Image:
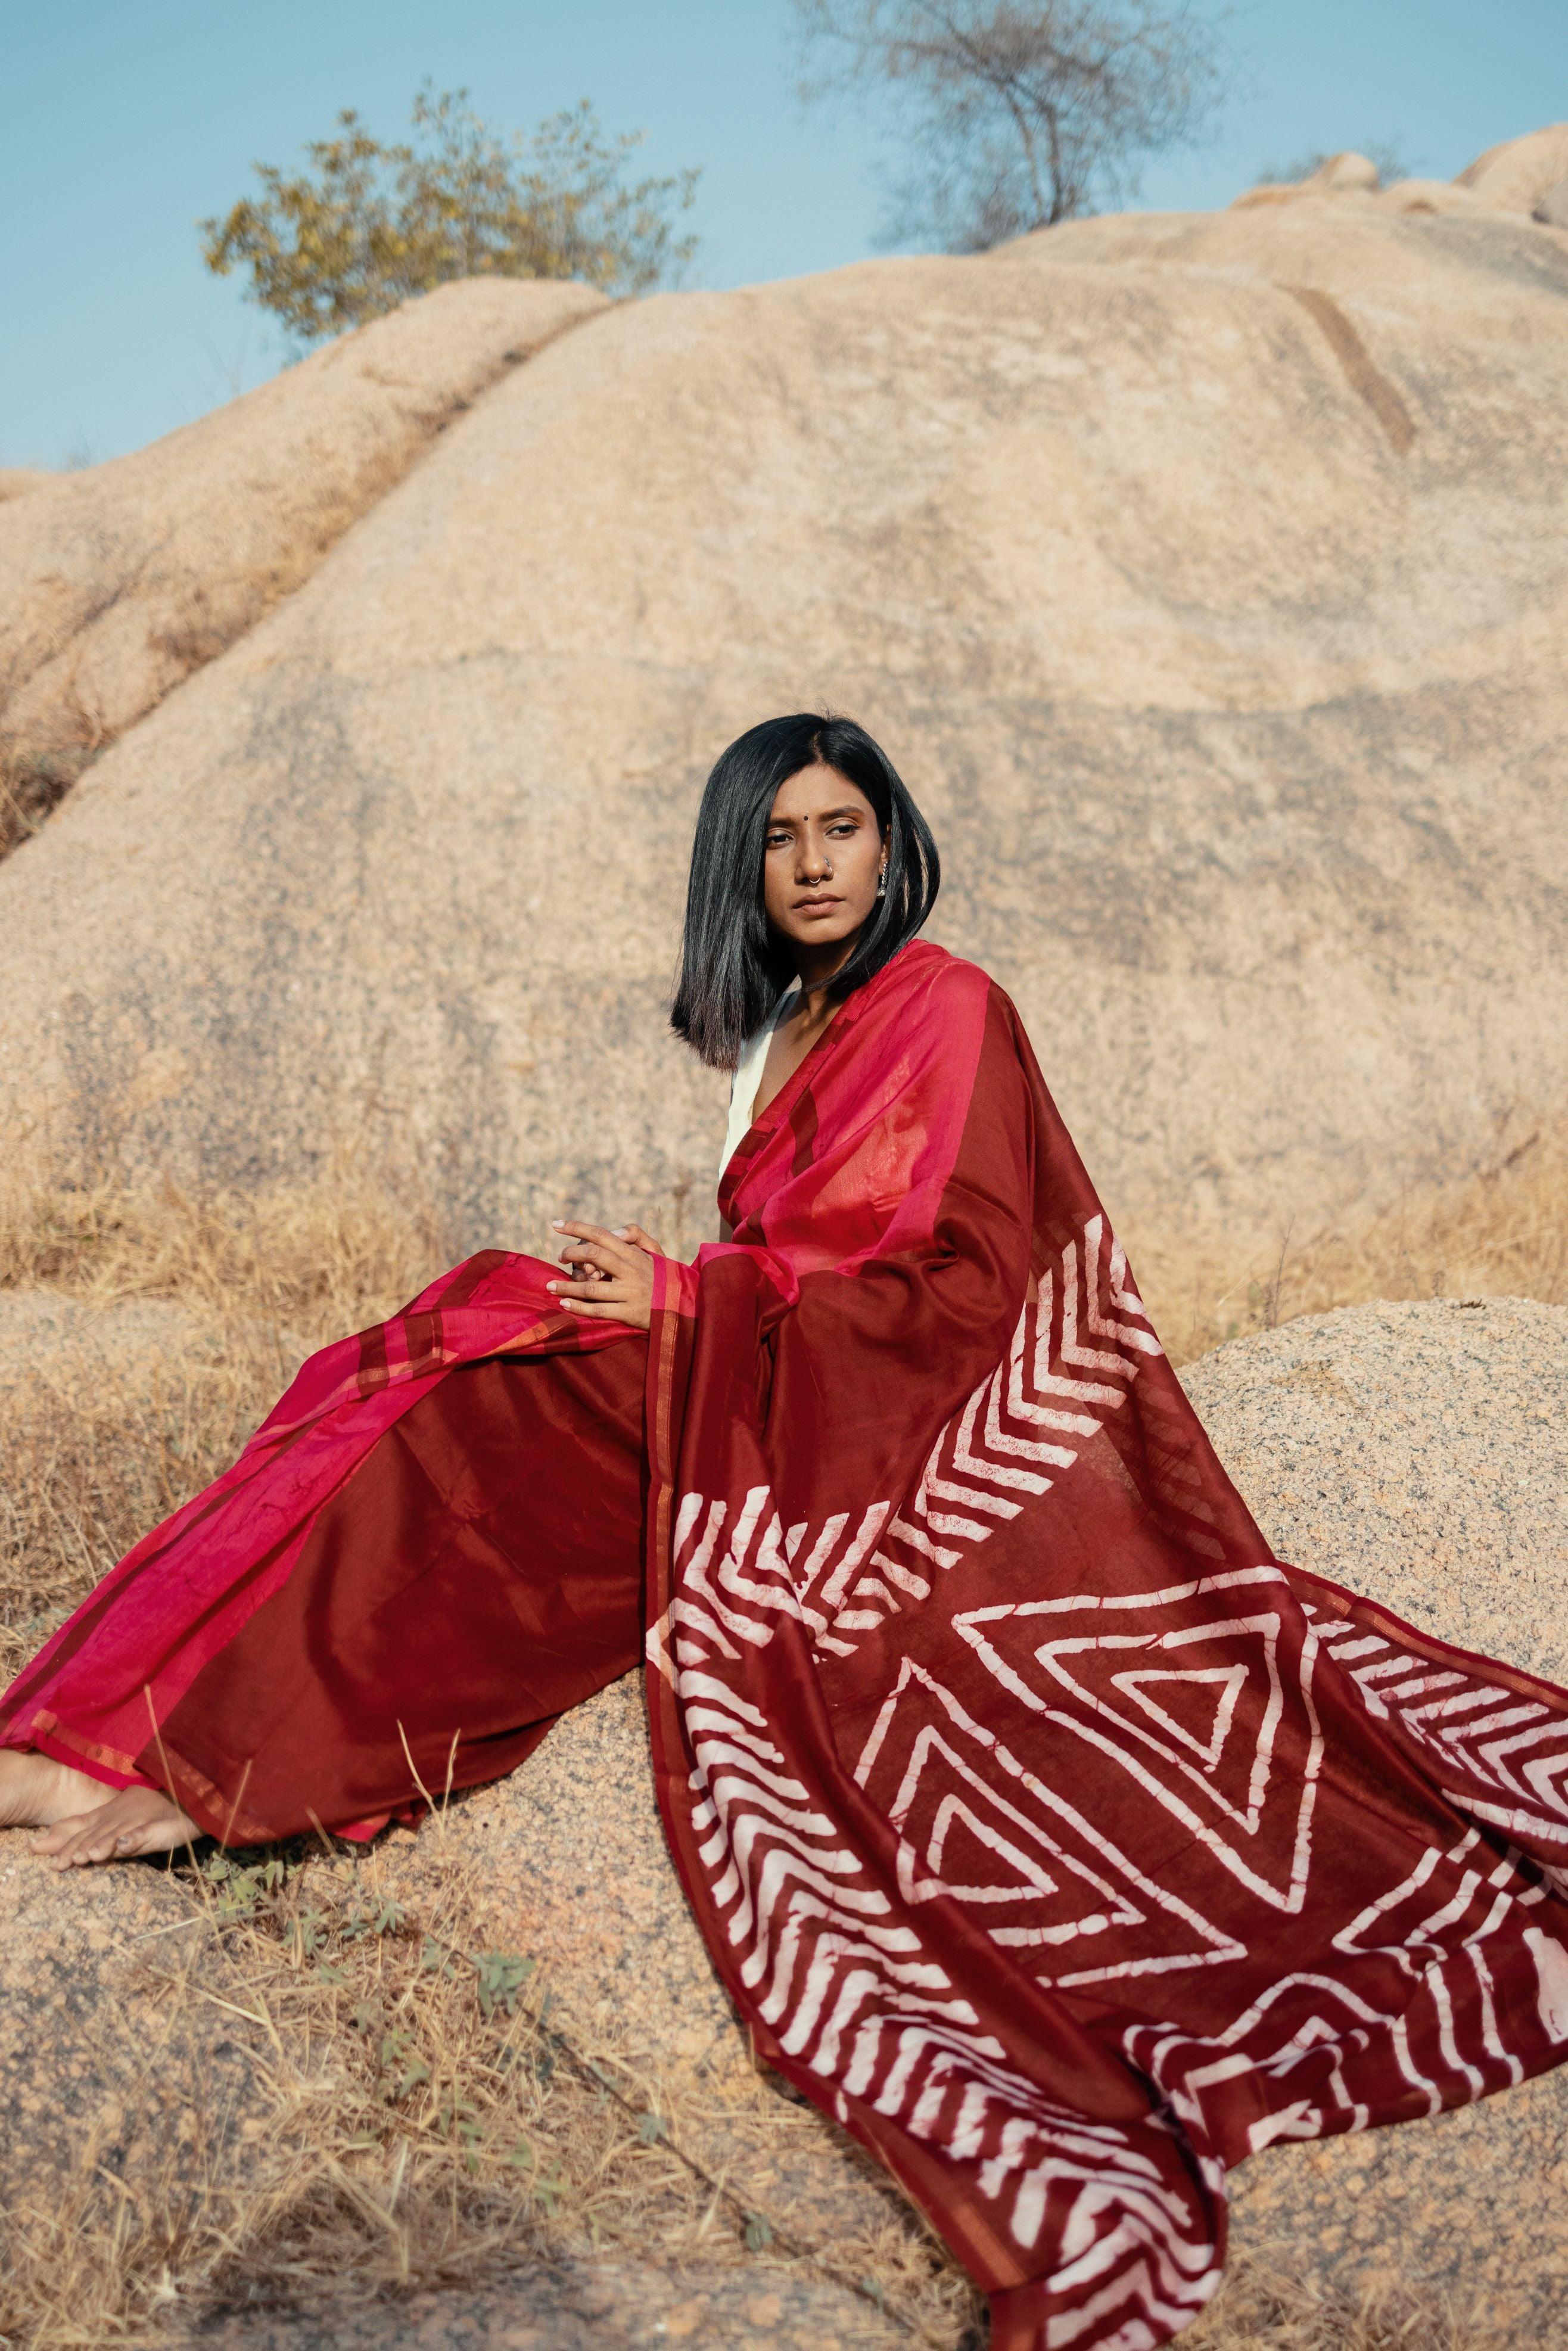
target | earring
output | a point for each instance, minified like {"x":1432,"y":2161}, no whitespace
{"x":882,"y":883}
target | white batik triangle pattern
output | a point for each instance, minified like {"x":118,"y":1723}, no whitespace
{"x":1199,"y":1700}
{"x":853,"y":1994}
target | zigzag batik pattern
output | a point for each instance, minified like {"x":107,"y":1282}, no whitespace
{"x":1076,"y":1350}
{"x":1433,"y":1964}
{"x":1094,"y":1752}
{"x":855,"y":1995}
{"x":860,"y":1999}
{"x":1500,"y":1754}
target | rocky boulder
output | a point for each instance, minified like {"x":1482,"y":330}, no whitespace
{"x":1552,"y":209}
{"x":613,"y":2306}
{"x":1201,"y":574}
{"x":1516,"y":176}
{"x":1419,"y":1454}
{"x":129,"y":575}
{"x":20,"y":481}
{"x":1519,"y":176}
{"x":1345,"y":175}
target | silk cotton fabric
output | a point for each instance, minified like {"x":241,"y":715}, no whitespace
{"x":1048,"y":1832}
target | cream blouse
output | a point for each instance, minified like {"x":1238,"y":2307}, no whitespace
{"x":749,"y":1074}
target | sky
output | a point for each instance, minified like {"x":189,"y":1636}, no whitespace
{"x":124,"y":123}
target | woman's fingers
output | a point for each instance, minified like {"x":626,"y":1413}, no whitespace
{"x":593,"y":1245}
{"x":597,"y":1253}
{"x":640,"y":1239}
{"x":611,"y":1276}
{"x":622,"y":1237}
{"x":585,"y":1286}
{"x":590,"y":1270}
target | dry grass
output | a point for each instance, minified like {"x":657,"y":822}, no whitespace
{"x":427,"y":2124}
{"x":1264,"y":2308}
{"x":320,"y":1257}
{"x":115,"y":1426}
{"x":1500,"y":1233}
{"x":424,"y":2119}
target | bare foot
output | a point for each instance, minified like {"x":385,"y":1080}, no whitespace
{"x":35,"y":1790}
{"x":136,"y":1821}
{"x":80,"y":1820}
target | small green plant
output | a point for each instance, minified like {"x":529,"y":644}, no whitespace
{"x":239,"y":1889}
{"x":501,"y":1976}
{"x":379,"y":1918}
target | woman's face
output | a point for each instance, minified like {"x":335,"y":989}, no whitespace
{"x":823,"y":859}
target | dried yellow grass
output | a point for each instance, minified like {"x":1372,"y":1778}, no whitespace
{"x":1261,"y":2307}
{"x":1501,"y":1232}
{"x":318,"y":1257}
{"x":98,"y":1445}
{"x":426,"y":2122}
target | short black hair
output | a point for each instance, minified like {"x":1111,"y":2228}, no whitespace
{"x":733,"y":967}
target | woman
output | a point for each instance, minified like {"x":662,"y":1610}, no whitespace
{"x":1047,"y":1830}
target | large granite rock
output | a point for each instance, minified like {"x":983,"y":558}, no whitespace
{"x":129,"y":575}
{"x":571,"y":1853}
{"x":1516,"y":175}
{"x":104,"y":2075}
{"x":568,"y":2306}
{"x":1419,"y":1454}
{"x":21,"y":481}
{"x":1202,"y":573}
{"x":1552,"y":211}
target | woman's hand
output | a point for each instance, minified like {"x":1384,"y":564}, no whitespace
{"x":613,"y":1278}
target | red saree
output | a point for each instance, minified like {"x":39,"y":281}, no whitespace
{"x":1047,"y":1830}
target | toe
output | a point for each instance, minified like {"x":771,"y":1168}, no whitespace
{"x":55,"y":1839}
{"x":72,"y":1851}
{"x":120,"y":1830}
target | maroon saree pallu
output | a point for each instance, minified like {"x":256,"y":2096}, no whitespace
{"x":1048,"y":1832}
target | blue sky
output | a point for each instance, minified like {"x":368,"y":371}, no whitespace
{"x":124,"y":122}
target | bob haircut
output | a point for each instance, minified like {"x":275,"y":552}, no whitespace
{"x":733,"y":966}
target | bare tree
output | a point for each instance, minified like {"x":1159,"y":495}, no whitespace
{"x":1017,"y":113}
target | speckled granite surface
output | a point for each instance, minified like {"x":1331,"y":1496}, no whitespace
{"x":91,"y":2050}
{"x":1235,"y":720}
{"x":573,"y":2306}
{"x":1419,"y":1454}
{"x":572,"y":1853}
